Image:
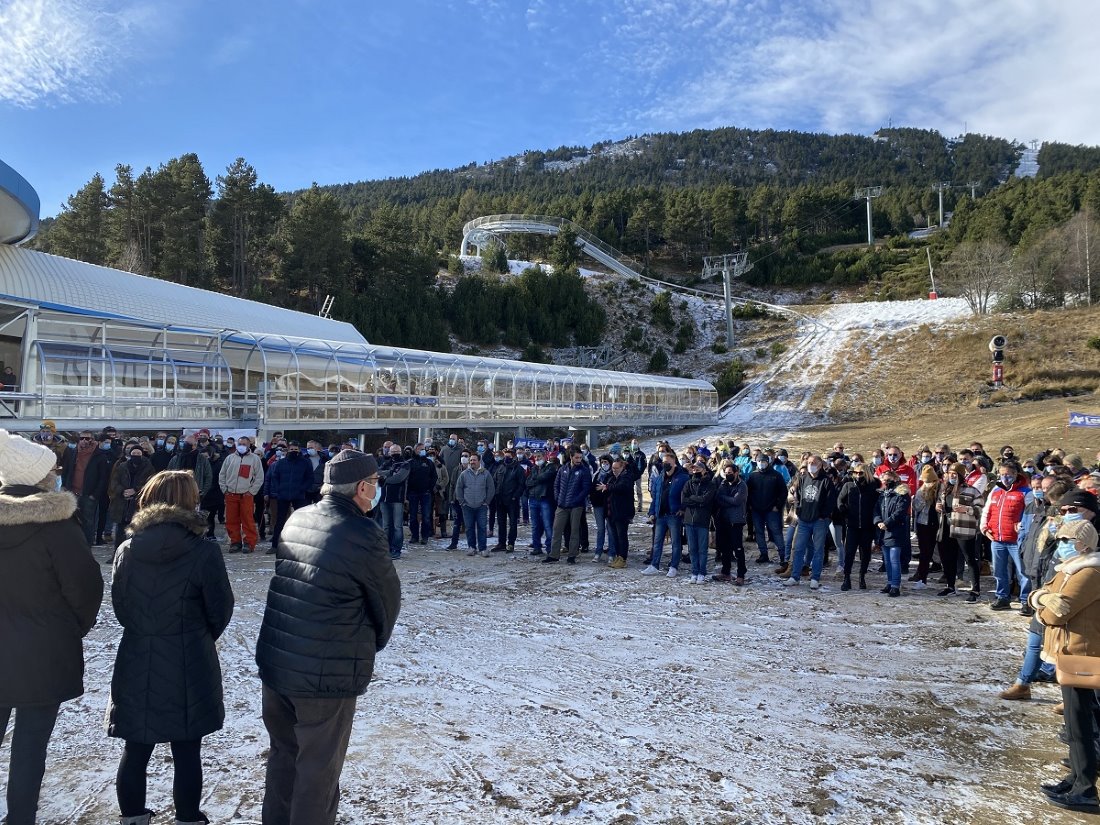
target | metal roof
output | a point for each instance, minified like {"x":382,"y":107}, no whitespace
{"x":74,"y":286}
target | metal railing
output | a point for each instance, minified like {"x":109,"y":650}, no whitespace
{"x":620,"y":262}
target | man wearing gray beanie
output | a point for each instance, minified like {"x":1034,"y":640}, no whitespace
{"x":331,"y":606}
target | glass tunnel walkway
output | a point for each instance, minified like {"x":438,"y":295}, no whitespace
{"x":78,"y":370}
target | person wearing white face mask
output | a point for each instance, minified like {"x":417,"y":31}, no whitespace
{"x":331,"y":607}
{"x":241,"y":479}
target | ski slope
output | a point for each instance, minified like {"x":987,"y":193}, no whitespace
{"x":779,"y":400}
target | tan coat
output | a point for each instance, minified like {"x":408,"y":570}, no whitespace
{"x":1074,"y":621}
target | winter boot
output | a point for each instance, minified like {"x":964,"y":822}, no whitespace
{"x":1017,"y":691}
{"x":203,"y":821}
{"x":140,"y":819}
{"x":847,"y":583}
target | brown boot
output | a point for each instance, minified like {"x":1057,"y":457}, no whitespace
{"x":1016,"y":692}
{"x":784,"y":572}
{"x":1060,"y":708}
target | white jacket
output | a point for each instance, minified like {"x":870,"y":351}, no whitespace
{"x":231,"y":478}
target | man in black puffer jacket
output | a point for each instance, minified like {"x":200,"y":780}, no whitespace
{"x":331,"y":606}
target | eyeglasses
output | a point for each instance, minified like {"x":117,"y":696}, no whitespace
{"x":893,"y":455}
{"x":1068,"y":511}
{"x":86,"y":438}
{"x":374,"y":480}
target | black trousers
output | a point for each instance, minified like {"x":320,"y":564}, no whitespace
{"x":186,"y":785}
{"x":618,"y":529}
{"x":309,"y":740}
{"x":259,"y":502}
{"x":857,"y":538}
{"x":507,"y":521}
{"x":29,"y":738}
{"x":950,"y":551}
{"x":1080,"y":720}
{"x":282,"y":513}
{"x":729,"y":540}
{"x":101,"y":515}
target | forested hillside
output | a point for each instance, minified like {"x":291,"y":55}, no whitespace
{"x":668,"y":199}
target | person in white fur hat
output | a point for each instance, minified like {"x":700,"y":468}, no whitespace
{"x":50,"y":591}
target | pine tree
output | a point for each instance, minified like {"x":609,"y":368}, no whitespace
{"x":80,"y":229}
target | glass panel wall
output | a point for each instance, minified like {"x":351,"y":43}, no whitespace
{"x":114,"y":370}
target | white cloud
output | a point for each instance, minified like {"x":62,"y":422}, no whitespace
{"x":1013,"y":68}
{"x":61,"y":51}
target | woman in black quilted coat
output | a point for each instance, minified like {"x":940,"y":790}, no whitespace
{"x":172,"y":597}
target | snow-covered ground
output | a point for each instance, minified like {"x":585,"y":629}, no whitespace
{"x":514,"y":692}
{"x":779,"y":400}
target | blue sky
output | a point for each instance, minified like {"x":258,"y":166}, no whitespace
{"x":340,"y":91}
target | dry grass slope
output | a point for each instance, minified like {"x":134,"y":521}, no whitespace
{"x":946,"y":369}
{"x":933,"y":384}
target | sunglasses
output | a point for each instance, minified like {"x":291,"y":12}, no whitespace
{"x":86,"y":438}
{"x":1068,"y":511}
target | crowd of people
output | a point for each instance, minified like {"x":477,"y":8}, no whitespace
{"x":958,"y":515}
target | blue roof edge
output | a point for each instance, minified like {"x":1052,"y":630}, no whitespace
{"x":18,"y":187}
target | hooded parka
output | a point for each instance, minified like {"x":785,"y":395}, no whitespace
{"x":50,"y":591}
{"x":172,"y":597}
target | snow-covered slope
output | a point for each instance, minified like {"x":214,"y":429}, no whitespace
{"x":782,"y":399}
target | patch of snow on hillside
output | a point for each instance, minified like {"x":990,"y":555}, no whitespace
{"x":778,"y":401}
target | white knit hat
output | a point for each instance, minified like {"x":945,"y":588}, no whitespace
{"x":23,"y":461}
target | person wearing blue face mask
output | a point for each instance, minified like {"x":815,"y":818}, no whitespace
{"x":331,"y":607}
{"x":1070,"y":605}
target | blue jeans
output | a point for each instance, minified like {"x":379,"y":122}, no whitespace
{"x":667,"y":525}
{"x":477,"y":525}
{"x":1002,"y":552}
{"x":698,"y":539}
{"x":891,"y":555}
{"x":542,"y":522}
{"x":420,"y":515}
{"x":393,"y":523}
{"x":815,"y":532}
{"x":773,"y":520}
{"x":600,"y":515}
{"x":1032,"y":663}
{"x":525,"y":509}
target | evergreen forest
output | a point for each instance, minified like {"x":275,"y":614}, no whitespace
{"x":380,"y":247}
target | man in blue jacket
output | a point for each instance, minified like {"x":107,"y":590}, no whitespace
{"x":289,"y":483}
{"x":668,"y":511}
{"x":571,"y":488}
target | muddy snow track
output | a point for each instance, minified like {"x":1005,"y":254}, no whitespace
{"x":518,"y":692}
